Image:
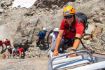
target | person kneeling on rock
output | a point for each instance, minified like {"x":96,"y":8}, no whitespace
{"x":20,"y":51}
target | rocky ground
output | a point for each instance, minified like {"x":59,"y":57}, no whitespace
{"x":21,"y":26}
{"x":24,"y":64}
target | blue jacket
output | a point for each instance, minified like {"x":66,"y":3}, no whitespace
{"x":42,"y":34}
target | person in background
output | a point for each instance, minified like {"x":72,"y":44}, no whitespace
{"x":53,"y":36}
{"x":8,"y":46}
{"x":41,"y":36}
{"x":20,"y":51}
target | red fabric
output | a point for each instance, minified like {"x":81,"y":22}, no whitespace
{"x":20,"y":50}
{"x":1,"y":43}
{"x":7,"y":42}
{"x":77,"y":28}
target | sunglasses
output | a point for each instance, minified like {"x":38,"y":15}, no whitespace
{"x":67,"y":17}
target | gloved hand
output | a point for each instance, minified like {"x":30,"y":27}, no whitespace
{"x":55,"y":52}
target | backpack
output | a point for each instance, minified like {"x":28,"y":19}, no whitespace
{"x":82,"y":18}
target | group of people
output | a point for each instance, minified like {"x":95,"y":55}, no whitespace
{"x":8,"y":50}
{"x":18,"y":51}
{"x":5,"y":44}
{"x":69,"y":33}
{"x":71,"y":30}
{"x":44,"y":35}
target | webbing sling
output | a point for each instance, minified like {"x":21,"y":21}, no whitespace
{"x":84,"y":45}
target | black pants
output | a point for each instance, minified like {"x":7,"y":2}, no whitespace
{"x":65,"y":44}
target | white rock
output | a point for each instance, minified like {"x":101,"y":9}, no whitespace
{"x":1,"y":10}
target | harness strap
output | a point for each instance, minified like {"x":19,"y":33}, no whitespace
{"x":84,"y":45}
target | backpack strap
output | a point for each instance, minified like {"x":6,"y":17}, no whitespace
{"x":82,"y":18}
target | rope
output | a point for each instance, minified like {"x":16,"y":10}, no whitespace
{"x":87,"y":48}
